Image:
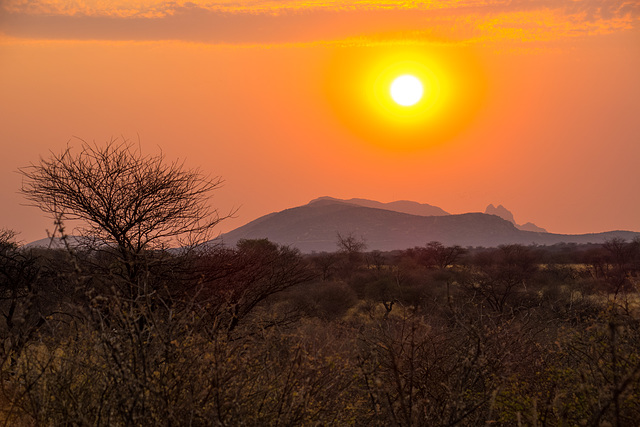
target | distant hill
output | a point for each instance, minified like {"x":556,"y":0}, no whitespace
{"x":55,"y":243}
{"x":529,"y":226}
{"x":500,"y":211}
{"x":506,"y":214}
{"x":314,"y":227}
{"x":404,"y":206}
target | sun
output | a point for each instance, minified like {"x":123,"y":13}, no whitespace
{"x":407,"y":93}
{"x":406,"y":90}
{"x":404,"y":98}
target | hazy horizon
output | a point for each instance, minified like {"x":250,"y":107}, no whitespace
{"x":534,"y":106}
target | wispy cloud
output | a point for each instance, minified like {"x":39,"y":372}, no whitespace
{"x":287,"y":21}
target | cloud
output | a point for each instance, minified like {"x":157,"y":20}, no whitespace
{"x":287,"y":21}
{"x":160,"y":8}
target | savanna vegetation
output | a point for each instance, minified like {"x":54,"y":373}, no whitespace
{"x":118,"y":328}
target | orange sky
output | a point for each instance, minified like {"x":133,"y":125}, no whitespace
{"x":538,"y":108}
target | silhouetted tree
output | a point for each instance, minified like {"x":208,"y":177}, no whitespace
{"x":499,"y":274}
{"x":435,"y":255}
{"x":350,"y":244}
{"x":351,"y":248}
{"x":236,"y":280}
{"x":126,"y":201}
{"x":20,"y":304}
{"x":444,"y":256}
{"x":326,"y":263}
{"x":624,"y":261}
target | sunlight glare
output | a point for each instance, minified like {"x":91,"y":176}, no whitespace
{"x":438,"y":94}
{"x":406,"y":90}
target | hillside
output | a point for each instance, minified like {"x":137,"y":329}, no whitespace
{"x":504,"y":213}
{"x":314,"y":227}
{"x":404,"y":206}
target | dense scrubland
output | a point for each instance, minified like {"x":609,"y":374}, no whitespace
{"x":260,"y":334}
{"x":116,"y":328}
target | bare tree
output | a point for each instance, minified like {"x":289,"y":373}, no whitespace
{"x":623,"y":258}
{"x":21,"y":314}
{"x":444,"y":256}
{"x":350,"y":244}
{"x":237,"y":280}
{"x":500,"y":274}
{"x":126,"y":200}
{"x":436,"y":255}
{"x":351,"y":247}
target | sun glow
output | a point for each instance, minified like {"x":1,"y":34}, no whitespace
{"x":404,"y":99}
{"x":406,"y":90}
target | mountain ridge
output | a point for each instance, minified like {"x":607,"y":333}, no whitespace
{"x":404,"y":206}
{"x":314,"y":227}
{"x":506,"y":214}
